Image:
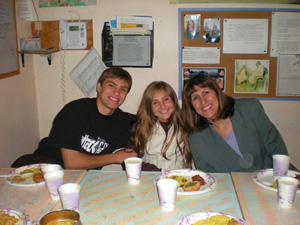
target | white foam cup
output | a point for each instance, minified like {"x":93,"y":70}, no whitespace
{"x":51,"y":167}
{"x":54,"y":179}
{"x":287,"y":189}
{"x":281,"y":164}
{"x":167,"y":193}
{"x":69,"y":196}
{"x":133,"y":166}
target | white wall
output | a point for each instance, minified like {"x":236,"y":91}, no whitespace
{"x":19,"y":130}
{"x":165,"y":66}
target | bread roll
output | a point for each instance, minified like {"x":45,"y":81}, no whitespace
{"x":193,"y":186}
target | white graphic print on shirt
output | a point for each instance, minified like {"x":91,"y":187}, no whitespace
{"x":93,"y":146}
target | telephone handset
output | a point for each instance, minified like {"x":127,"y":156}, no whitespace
{"x":72,"y":35}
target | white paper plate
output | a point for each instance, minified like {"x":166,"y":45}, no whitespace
{"x":24,"y":218}
{"x":189,"y":220}
{"x":264,"y":178}
{"x":26,"y":183}
{"x":211,"y":182}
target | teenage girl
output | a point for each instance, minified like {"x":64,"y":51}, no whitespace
{"x":158,"y":135}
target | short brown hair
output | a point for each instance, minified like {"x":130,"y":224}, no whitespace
{"x":116,"y":72}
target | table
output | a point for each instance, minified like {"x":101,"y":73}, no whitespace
{"x":34,"y":200}
{"x":107,"y":198}
{"x":259,"y":206}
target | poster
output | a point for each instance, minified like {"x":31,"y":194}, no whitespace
{"x":219,"y":75}
{"x":251,"y":76}
{"x":65,"y":3}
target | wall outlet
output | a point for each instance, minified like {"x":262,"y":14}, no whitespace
{"x":38,"y":25}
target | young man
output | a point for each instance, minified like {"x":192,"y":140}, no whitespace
{"x":86,"y":132}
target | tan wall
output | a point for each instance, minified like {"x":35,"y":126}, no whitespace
{"x":165,"y":66}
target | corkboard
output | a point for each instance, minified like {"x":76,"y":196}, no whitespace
{"x":227,"y":61}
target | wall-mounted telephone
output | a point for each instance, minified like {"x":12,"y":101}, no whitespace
{"x":72,"y":35}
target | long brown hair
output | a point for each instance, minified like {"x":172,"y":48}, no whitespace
{"x":192,"y":120}
{"x":142,"y":130}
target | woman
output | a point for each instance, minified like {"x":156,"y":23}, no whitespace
{"x":227,"y":135}
{"x":157,"y":135}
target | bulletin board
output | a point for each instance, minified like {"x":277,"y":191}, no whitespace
{"x":228,"y":67}
{"x":9,"y":60}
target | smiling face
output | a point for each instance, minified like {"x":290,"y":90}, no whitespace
{"x":111,"y":95}
{"x":205,"y":102}
{"x":162,"y":105}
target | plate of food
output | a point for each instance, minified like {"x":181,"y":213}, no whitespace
{"x":13,"y":217}
{"x":264,"y":179}
{"x":190,"y":182}
{"x":24,"y":181}
{"x":210,"y":218}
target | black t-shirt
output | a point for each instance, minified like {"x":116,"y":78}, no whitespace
{"x":79,"y":126}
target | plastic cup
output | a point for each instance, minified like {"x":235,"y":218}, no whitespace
{"x":51,"y":167}
{"x":69,"y":196}
{"x":167,"y":193}
{"x":54,"y":179}
{"x":287,"y":189}
{"x":133,"y":168}
{"x":281,"y":164}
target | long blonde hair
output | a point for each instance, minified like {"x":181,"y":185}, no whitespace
{"x":142,"y":130}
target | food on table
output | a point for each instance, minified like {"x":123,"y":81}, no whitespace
{"x":217,"y":220}
{"x":37,"y":175}
{"x":274,"y":184}
{"x":181,"y":180}
{"x":199,"y":178}
{"x":233,"y":222}
{"x":297,"y":176}
{"x":188,"y":184}
{"x":62,"y":222}
{"x":6,"y":219}
{"x":18,"y":179}
{"x":192,"y":186}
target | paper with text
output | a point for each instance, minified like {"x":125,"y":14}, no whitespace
{"x":198,"y":55}
{"x":88,"y":71}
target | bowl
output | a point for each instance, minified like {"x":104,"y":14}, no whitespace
{"x":56,"y":216}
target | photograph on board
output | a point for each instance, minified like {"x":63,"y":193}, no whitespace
{"x":251,"y":76}
{"x":217,"y":73}
{"x":211,"y":30}
{"x":192,"y":26}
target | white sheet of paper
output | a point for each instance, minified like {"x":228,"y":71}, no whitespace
{"x":197,"y":55}
{"x":24,"y":12}
{"x":132,"y":50}
{"x":285,"y":33}
{"x":245,"y":36}
{"x":288,"y":79}
{"x":88,"y":71}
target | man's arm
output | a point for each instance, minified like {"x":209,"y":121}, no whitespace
{"x":75,"y":160}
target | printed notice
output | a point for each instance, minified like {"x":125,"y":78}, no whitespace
{"x":285,"y":37}
{"x":194,"y":55}
{"x":88,"y":71}
{"x":245,"y":36}
{"x":288,"y":81}
{"x":24,"y":12}
{"x":132,"y":50}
